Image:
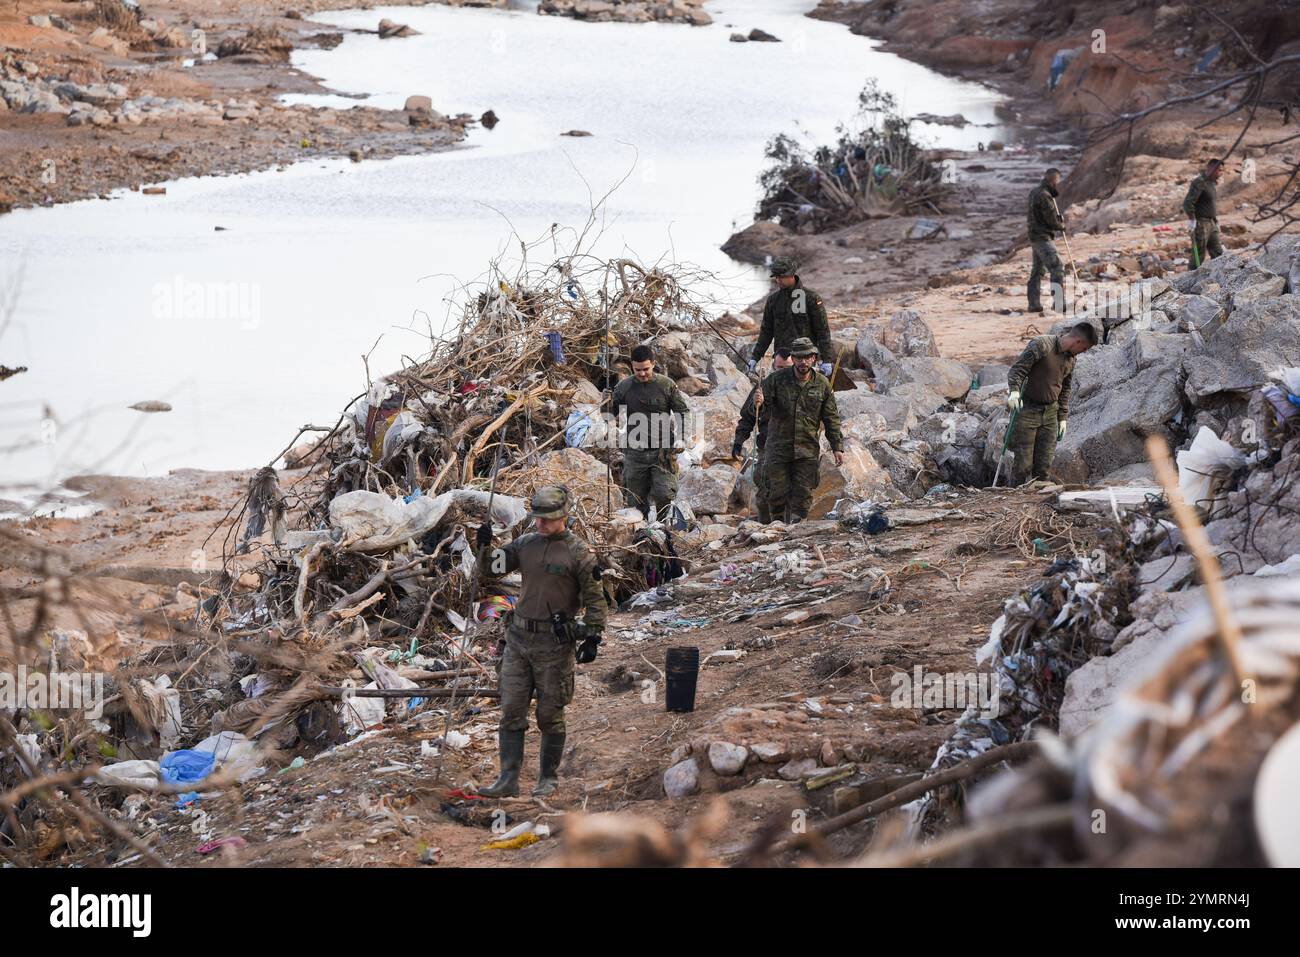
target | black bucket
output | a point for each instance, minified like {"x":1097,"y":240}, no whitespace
{"x":681,"y":669}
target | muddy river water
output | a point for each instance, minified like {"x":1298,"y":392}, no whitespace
{"x":250,"y":330}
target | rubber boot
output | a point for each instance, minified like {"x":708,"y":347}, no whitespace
{"x":552,"y":752}
{"x":511,"y":746}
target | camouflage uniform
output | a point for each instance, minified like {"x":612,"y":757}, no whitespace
{"x":559,"y":574}
{"x":1044,"y":223}
{"x":791,"y":417}
{"x":1042,"y":374}
{"x":794,"y":313}
{"x":746,"y":425}
{"x":1202,"y":202}
{"x":650,"y":471}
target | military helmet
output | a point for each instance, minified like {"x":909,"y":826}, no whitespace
{"x":802,"y":346}
{"x":782,"y":266}
{"x":550,"y":501}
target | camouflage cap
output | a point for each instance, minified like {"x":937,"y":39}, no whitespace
{"x":550,"y":501}
{"x":782,"y":266}
{"x":802,"y":347}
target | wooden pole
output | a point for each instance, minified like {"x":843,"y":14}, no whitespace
{"x":1008,"y":752}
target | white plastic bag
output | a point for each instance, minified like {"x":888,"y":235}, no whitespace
{"x":138,"y":774}
{"x":378,"y":523}
{"x":1198,"y":466}
{"x":361,"y":714}
{"x":164,"y":703}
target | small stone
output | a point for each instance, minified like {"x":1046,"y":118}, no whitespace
{"x":798,"y":769}
{"x":682,"y":779}
{"x":727,"y":758}
{"x":769,"y":752}
{"x":828,"y":755}
{"x":680,"y":753}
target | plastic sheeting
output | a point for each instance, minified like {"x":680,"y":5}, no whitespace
{"x":373,"y":522}
{"x":1208,"y":457}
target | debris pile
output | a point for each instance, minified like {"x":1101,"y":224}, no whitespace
{"x":875,"y":168}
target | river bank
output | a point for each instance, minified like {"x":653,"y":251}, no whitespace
{"x":95,"y":103}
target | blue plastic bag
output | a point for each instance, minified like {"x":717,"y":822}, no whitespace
{"x":186,"y":767}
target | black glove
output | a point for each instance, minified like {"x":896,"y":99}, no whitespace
{"x":483,"y":537}
{"x":589,"y":646}
{"x":737,"y":449}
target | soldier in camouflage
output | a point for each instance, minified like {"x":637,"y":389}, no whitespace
{"x":1201,"y":207}
{"x":560,"y":577}
{"x":1045,"y":221}
{"x":793,"y":312}
{"x":1038,"y":395}
{"x":748,"y":421}
{"x":798,"y":402}
{"x":654,"y":407}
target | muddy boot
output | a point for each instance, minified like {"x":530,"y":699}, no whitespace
{"x":511,"y":746}
{"x":552,"y":752}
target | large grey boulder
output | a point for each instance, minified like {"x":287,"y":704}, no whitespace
{"x":724,"y":375}
{"x":992,"y":373}
{"x":880,"y":363}
{"x":1109,"y":428}
{"x":1241,"y":354}
{"x":672,"y":355}
{"x":987,"y":400}
{"x":1148,"y":349}
{"x":1201,"y":314}
{"x":957,"y":444}
{"x":1101,"y":368}
{"x":919,"y":396}
{"x":864,"y":426}
{"x":708,"y":491}
{"x":1282,"y":257}
{"x":946,"y":377}
{"x":860,"y":477}
{"x":1253,"y":542}
{"x":713,"y":417}
{"x":908,"y":462}
{"x":1224,"y":278}
{"x":906,"y":334}
{"x":1265,"y":288}
{"x":897,"y":412}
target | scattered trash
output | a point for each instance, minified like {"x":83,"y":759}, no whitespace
{"x":519,"y":836}
{"x":209,"y":847}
